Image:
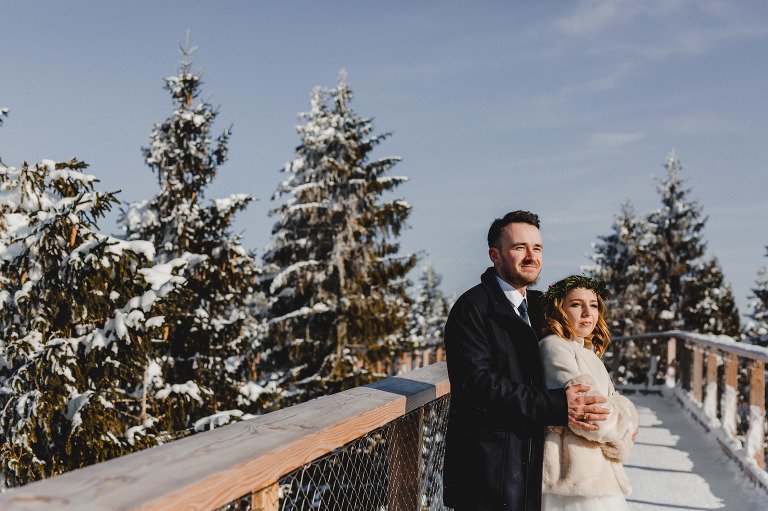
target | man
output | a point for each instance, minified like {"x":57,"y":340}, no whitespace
{"x":499,"y":405}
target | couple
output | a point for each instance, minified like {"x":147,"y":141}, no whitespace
{"x":532,"y":424}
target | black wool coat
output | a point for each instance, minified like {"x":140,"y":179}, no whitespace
{"x":499,"y":406}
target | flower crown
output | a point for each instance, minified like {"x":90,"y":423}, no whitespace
{"x":562,"y":287}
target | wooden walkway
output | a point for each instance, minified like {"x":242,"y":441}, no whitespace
{"x":676,"y":465}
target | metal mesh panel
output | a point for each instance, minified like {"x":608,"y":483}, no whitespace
{"x":396,"y":467}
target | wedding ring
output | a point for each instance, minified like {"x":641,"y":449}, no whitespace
{"x":585,"y":415}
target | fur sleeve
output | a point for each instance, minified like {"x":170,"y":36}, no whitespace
{"x":615,"y":433}
{"x":620,"y":449}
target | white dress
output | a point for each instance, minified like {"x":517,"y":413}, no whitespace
{"x":563,"y":362}
{"x":552,"y":502}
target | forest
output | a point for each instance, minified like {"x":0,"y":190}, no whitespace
{"x":112,"y":344}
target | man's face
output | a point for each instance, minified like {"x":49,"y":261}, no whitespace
{"x":518,"y":258}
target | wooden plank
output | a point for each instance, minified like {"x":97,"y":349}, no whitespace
{"x":712,"y":367}
{"x":405,"y":462}
{"x":267,"y":499}
{"x":719,"y":342}
{"x":757,"y":400}
{"x":697,"y":370}
{"x":672,"y":358}
{"x":731,"y":388}
{"x":208,"y":470}
{"x":615,"y":361}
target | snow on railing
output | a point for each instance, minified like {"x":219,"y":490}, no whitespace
{"x":685,"y":377}
{"x":380,"y":443}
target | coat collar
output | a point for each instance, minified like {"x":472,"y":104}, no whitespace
{"x":501,"y":304}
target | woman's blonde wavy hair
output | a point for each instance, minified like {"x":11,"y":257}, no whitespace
{"x":556,"y":321}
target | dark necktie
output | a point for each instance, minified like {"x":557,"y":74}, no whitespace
{"x":523,"y":310}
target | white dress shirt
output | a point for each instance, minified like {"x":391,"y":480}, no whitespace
{"x":514,"y":296}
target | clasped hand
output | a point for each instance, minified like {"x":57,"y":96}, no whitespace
{"x":581,"y":407}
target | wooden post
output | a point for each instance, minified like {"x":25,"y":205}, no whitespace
{"x":710,"y":399}
{"x":684,"y":356}
{"x":426,"y":356}
{"x":757,"y":401}
{"x":266,"y":499}
{"x":440,"y":355}
{"x":671,"y":376}
{"x":697,"y":370}
{"x":711,"y":366}
{"x":405,"y":472}
{"x":729,"y":398}
{"x":615,"y":362}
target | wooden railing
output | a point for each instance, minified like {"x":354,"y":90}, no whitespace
{"x":418,"y":357}
{"x":691,"y":367}
{"x":246,"y":465}
{"x":243,"y":462}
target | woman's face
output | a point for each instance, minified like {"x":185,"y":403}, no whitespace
{"x":581,"y":309}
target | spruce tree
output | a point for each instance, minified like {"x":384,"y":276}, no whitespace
{"x":80,"y":315}
{"x":622,"y":261}
{"x":336,"y":281}
{"x":756,"y":324}
{"x":429,"y":311}
{"x":209,"y":354}
{"x":708,"y":305}
{"x":675,"y":246}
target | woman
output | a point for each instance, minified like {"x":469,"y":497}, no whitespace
{"x":582,"y":469}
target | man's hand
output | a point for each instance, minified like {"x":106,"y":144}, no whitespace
{"x":581,"y":407}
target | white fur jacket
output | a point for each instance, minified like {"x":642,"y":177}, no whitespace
{"x":579,"y":462}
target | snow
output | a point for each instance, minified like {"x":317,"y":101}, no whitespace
{"x":73,"y":407}
{"x":676,"y":465}
{"x":161,"y":274}
{"x":219,"y":419}
{"x":756,"y":433}
{"x":253,"y":390}
{"x":728,"y":405}
{"x":668,"y":315}
{"x":232,"y":201}
{"x":189,"y":388}
{"x":710,"y":402}
{"x":281,"y":279}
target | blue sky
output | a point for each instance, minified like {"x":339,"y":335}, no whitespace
{"x":562,"y":108}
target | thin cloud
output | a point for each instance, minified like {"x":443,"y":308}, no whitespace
{"x":593,"y":16}
{"x":616,"y":139}
{"x":651,"y":29}
{"x":701,"y":123}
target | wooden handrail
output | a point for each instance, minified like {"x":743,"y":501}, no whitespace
{"x":211,"y":469}
{"x":694,"y":376}
{"x":720,"y":342}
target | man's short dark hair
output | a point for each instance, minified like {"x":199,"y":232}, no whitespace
{"x":524,"y":217}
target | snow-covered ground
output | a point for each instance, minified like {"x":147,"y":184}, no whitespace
{"x":675,"y":465}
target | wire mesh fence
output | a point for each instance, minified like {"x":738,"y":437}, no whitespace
{"x":396,"y":467}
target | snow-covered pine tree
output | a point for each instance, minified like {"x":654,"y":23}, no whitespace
{"x":429,"y":311}
{"x":336,"y":281}
{"x":621,"y":261}
{"x":80,"y":315}
{"x":676,"y":245}
{"x":708,"y":305}
{"x":210,"y":343}
{"x":756,"y":324}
